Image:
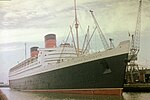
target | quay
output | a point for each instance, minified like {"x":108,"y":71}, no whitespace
{"x":137,"y":87}
{"x":139,"y":82}
{"x":2,"y":96}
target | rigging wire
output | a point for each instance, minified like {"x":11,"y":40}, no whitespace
{"x":90,"y":39}
{"x":64,"y":46}
{"x":85,"y":38}
{"x":73,"y":39}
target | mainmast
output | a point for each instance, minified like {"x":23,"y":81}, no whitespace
{"x":76,"y":27}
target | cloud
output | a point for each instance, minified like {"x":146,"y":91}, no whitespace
{"x":45,"y":14}
{"x":36,"y":13}
{"x":113,"y":15}
{"x":7,"y":47}
{"x":24,"y":11}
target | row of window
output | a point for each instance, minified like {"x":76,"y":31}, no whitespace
{"x":24,"y":63}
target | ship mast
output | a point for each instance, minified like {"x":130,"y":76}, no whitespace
{"x":25,"y":51}
{"x":76,"y":27}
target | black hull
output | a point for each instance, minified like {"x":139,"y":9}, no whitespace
{"x":103,"y":73}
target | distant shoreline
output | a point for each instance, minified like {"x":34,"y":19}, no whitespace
{"x":4,"y":86}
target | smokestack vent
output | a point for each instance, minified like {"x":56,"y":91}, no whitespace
{"x":34,"y":51}
{"x":50,"y":41}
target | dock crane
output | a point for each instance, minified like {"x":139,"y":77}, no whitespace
{"x":104,"y":42}
{"x":135,"y":47}
{"x":132,"y":68}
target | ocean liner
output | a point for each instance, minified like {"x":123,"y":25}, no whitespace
{"x":66,"y":69}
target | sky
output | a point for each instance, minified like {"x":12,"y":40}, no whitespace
{"x":28,"y":21}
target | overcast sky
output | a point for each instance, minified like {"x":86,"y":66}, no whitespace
{"x":30,"y":20}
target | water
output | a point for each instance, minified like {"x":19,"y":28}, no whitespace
{"x":17,"y":95}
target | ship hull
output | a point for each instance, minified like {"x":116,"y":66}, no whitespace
{"x":101,"y":76}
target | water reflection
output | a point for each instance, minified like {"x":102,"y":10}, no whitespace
{"x":17,"y":95}
{"x":136,"y":95}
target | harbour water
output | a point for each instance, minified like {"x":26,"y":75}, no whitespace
{"x":18,"y":95}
